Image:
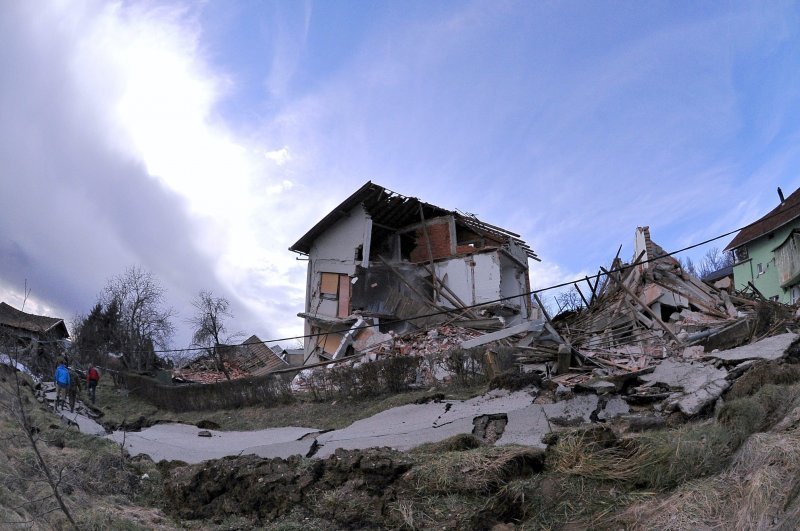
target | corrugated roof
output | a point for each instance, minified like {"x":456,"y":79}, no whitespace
{"x":391,"y":211}
{"x":40,"y":324}
{"x":262,"y":359}
{"x":786,"y":212}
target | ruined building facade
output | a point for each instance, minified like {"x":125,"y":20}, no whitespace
{"x":384,"y":259}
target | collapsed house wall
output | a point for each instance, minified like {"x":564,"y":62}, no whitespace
{"x":385,"y":259}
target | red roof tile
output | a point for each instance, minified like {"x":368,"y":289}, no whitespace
{"x":784,"y":213}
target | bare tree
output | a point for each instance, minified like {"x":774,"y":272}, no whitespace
{"x":688,"y":266}
{"x":210,"y":326}
{"x":145,"y":321}
{"x":569,"y":300}
{"x":714,"y":260}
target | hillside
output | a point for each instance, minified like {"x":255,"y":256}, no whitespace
{"x":737,"y":468}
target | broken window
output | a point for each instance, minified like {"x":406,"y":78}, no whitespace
{"x":741,"y":254}
{"x":335,"y":286}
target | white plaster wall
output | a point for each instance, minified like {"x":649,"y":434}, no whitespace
{"x":334,"y":252}
{"x":475,"y":279}
{"x":513,"y":282}
{"x":339,"y":243}
{"x":517,"y":252}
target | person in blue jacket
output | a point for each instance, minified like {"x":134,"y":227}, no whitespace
{"x":62,"y":384}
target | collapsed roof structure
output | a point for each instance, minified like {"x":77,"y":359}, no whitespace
{"x":382,"y":258}
{"x":34,"y":339}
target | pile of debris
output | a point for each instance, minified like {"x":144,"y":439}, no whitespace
{"x":250,"y":358}
{"x":207,"y":370}
{"x":652,"y":309}
{"x":423,"y":342}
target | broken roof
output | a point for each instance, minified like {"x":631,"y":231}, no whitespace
{"x":786,"y":212}
{"x":13,"y":318}
{"x":391,"y":212}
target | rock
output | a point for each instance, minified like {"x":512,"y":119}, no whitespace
{"x":615,"y":407}
{"x":563,"y":392}
{"x":204,"y":433}
{"x":597,"y":386}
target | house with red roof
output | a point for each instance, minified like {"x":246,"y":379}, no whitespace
{"x":767,"y":252}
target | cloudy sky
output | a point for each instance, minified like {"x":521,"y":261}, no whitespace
{"x":199,"y":140}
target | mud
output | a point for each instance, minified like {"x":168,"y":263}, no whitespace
{"x":270,"y":488}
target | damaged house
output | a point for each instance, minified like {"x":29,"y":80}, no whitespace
{"x":36,"y":339}
{"x":381,"y":258}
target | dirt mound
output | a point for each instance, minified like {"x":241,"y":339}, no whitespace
{"x":269,"y":488}
{"x":515,"y":381}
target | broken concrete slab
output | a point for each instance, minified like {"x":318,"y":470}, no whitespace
{"x":771,"y":348}
{"x":729,"y":337}
{"x":598,"y":386}
{"x":527,"y":326}
{"x":614,"y":407}
{"x":696,"y":385}
{"x":405,"y":427}
{"x":527,"y":426}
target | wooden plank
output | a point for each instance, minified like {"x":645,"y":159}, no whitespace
{"x":343,"y":309}
{"x":581,"y":294}
{"x":645,"y":307}
{"x":527,"y":326}
{"x":422,"y":297}
{"x":329,"y":283}
{"x":430,"y":249}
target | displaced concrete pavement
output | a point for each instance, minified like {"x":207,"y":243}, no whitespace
{"x":181,"y":442}
{"x":78,"y":417}
{"x":401,"y":428}
{"x":408,"y":426}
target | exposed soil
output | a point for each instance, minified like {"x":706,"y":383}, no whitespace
{"x":269,"y":488}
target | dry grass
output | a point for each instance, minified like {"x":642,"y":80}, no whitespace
{"x":667,"y":458}
{"x":753,"y":493}
{"x":481,"y":470}
{"x":101,"y":489}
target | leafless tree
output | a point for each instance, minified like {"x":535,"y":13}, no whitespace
{"x":210,"y":327}
{"x":569,"y":300}
{"x":145,"y":320}
{"x":714,"y":260}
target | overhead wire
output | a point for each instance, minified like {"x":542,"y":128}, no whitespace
{"x":595,"y":277}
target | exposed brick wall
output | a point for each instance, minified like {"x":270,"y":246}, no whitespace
{"x":440,"y":243}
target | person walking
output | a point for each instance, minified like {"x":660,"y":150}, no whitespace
{"x":62,"y":383}
{"x":74,"y":388}
{"x":92,"y":377}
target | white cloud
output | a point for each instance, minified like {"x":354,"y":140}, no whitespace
{"x":279,"y":156}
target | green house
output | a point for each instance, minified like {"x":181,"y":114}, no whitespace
{"x":767,"y":252}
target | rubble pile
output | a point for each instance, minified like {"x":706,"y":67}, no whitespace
{"x":206,"y":370}
{"x":424,"y":342}
{"x":641,"y":313}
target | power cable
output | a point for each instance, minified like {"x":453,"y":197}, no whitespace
{"x":596,"y":277}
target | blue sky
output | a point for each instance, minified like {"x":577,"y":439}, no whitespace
{"x":201,"y":139}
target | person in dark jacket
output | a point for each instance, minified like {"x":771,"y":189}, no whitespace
{"x":73,"y":389}
{"x":62,"y":384}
